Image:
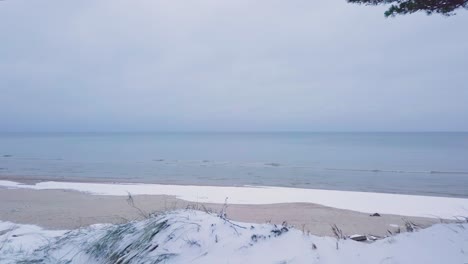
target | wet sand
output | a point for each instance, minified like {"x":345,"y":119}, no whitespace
{"x":63,"y":209}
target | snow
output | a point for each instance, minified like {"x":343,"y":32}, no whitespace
{"x":19,"y":240}
{"x":188,"y":236}
{"x":367,"y":202}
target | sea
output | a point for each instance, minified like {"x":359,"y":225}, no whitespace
{"x":434,"y":164}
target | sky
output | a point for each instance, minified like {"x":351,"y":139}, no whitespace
{"x":232,"y":65}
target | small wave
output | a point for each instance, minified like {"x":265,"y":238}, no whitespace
{"x":375,"y":170}
{"x":31,"y":158}
{"x":449,"y":172}
{"x":400,"y":171}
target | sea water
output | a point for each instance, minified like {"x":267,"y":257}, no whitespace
{"x":409,"y":163}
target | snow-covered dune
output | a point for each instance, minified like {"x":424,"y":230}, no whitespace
{"x":188,"y":236}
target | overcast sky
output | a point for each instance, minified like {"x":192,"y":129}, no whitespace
{"x":307,"y":65}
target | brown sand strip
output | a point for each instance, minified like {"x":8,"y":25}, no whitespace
{"x":62,"y":209}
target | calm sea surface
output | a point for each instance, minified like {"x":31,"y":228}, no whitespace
{"x":410,"y":163}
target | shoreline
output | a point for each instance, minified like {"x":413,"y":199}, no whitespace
{"x":364,"y":202}
{"x":70,"y":205}
{"x":140,"y":181}
{"x":219,"y":182}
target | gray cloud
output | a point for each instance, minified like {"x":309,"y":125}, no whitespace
{"x":229,"y":65}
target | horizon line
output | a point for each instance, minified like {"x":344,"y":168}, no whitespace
{"x":227,"y":131}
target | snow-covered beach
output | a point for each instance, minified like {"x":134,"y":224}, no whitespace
{"x":366,"y":202}
{"x":308,"y":215}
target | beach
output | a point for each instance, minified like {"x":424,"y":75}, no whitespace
{"x":98,"y":222}
{"x":60,"y":205}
